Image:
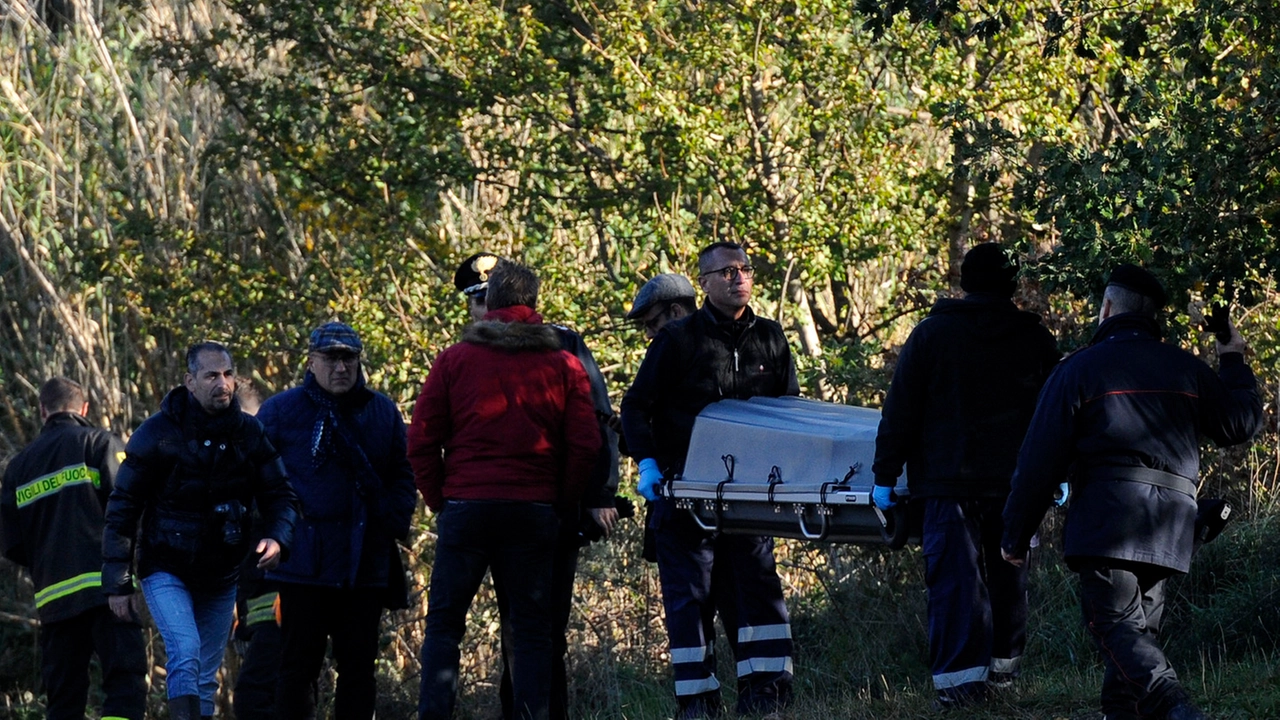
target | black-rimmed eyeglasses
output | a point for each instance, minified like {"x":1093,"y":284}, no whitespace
{"x":731,"y":272}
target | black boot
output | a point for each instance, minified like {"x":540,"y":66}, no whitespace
{"x":1185,"y":711}
{"x":184,"y":707}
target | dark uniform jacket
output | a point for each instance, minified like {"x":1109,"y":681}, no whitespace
{"x":346,"y":461}
{"x":51,"y":509}
{"x":603,"y":484}
{"x":1123,"y":419}
{"x":962,"y":396}
{"x":695,"y":361}
{"x":190,"y":479}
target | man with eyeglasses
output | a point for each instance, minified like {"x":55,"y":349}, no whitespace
{"x":721,"y":351}
{"x":344,"y":447}
{"x":598,"y":504}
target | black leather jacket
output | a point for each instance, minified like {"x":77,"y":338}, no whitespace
{"x":1122,"y":419}
{"x":695,"y":361}
{"x":191,"y":480}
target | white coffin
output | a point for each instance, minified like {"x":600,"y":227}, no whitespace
{"x":787,"y":467}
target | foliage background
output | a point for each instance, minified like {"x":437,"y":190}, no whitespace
{"x":174,"y":171}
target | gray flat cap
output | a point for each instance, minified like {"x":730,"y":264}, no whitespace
{"x":662,"y":288}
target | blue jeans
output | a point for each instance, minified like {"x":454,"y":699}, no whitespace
{"x":195,"y":626}
{"x":515,"y":541}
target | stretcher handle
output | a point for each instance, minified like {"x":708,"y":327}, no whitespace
{"x":804,"y":527}
{"x":697,"y":519}
{"x":894,"y":525}
{"x":717,"y":508}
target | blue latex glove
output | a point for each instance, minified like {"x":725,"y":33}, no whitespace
{"x":650,"y":479}
{"x":1064,"y":493}
{"x":882,"y":496}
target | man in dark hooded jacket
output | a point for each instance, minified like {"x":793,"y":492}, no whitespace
{"x":190,"y":475}
{"x":962,"y":394}
{"x":1122,"y":419}
{"x":503,"y":435}
{"x":344,"y":447}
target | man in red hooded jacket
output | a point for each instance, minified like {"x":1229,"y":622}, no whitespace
{"x":503,"y":432}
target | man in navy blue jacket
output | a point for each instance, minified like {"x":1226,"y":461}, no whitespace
{"x":344,"y":446}
{"x":1122,"y":419}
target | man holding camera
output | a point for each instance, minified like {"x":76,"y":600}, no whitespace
{"x":190,"y":475}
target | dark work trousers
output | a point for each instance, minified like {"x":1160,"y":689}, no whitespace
{"x":515,"y":541}
{"x":977,"y":601}
{"x":563,"y":570}
{"x":255,"y":691}
{"x":65,"y":648}
{"x":309,"y":616}
{"x":1123,"y":604}
{"x":703,"y":573}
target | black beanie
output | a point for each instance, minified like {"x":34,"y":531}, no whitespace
{"x":988,"y":269}
{"x":1133,"y":278}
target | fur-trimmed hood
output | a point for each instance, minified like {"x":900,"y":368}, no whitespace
{"x":514,"y":329}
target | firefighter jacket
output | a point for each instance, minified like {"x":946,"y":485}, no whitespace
{"x":51,"y":509}
{"x":962,"y":394}
{"x":505,"y":414}
{"x":186,"y":489}
{"x":1122,"y":419}
{"x":694,"y":361}
{"x":346,"y":460}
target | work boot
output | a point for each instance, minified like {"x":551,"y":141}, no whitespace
{"x":999,"y":681}
{"x":184,"y":707}
{"x":700,"y":707}
{"x":962,"y":696}
{"x":1185,"y":711}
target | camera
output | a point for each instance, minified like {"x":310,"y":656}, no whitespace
{"x":231,"y":515}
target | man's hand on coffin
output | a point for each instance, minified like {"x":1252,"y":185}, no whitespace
{"x":882,"y":496}
{"x":650,"y":479}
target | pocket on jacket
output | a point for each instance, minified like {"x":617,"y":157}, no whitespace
{"x":177,"y":536}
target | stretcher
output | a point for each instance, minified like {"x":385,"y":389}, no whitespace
{"x":787,"y":467}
